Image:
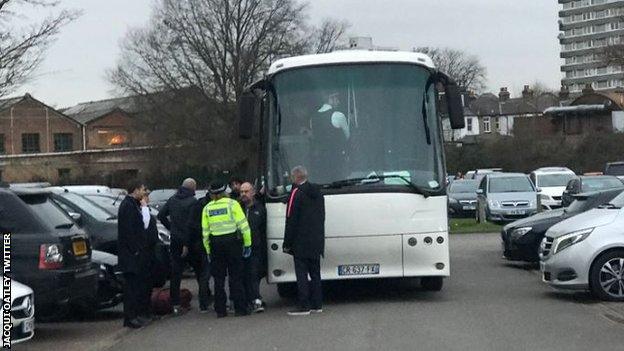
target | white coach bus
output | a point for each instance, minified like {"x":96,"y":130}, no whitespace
{"x":366,"y":126}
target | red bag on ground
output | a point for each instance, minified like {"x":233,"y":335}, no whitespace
{"x":161,"y":300}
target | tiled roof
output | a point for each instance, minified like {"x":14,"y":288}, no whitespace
{"x":6,"y":103}
{"x":89,"y":111}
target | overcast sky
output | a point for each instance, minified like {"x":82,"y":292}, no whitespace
{"x":515,"y":40}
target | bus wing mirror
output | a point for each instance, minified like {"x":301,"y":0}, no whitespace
{"x":246,"y":108}
{"x":454,"y":105}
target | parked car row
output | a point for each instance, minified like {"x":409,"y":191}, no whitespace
{"x":554,"y":187}
{"x":63,"y":246}
{"x":580,"y":247}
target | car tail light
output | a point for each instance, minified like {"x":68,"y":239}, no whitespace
{"x":50,"y":256}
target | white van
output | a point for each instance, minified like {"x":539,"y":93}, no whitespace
{"x":552,"y":182}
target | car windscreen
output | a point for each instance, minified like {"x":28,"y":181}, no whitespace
{"x":510,"y":185}
{"x":615,"y":169}
{"x":47,"y":210}
{"x":161,"y":195}
{"x":600,"y":183}
{"x":463,"y":186}
{"x":552,"y":180}
{"x":110,"y":204}
{"x":89,"y":207}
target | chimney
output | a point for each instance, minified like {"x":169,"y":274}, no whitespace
{"x":527,"y":92}
{"x":564,"y":93}
{"x":588,"y":89}
{"x":503,"y":94}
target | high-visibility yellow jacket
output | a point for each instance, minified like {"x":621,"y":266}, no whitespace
{"x":224,"y":216}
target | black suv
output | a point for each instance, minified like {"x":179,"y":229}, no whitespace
{"x":49,"y":252}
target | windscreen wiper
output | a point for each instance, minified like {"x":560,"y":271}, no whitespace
{"x":375,"y":179}
{"x":64,"y":226}
{"x":111,"y":218}
{"x":609,"y":206}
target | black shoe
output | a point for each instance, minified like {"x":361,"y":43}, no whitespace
{"x":133,"y":323}
{"x":299,"y":312}
{"x":221,"y":315}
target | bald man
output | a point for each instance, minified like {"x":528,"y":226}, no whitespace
{"x":256,"y":217}
{"x":174,"y":215}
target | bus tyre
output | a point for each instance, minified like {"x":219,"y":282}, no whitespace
{"x":287,"y":290}
{"x":432,"y":283}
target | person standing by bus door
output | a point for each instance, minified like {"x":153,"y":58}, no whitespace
{"x":304,"y":239}
{"x":227,"y":239}
{"x":256,"y":216}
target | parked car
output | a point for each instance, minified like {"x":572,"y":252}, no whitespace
{"x":552,"y":182}
{"x":615,"y":169}
{"x":469,"y":175}
{"x":159,"y":197}
{"x":22,"y":312}
{"x":522,"y":238}
{"x":586,"y":184}
{"x":462,"y":198}
{"x":111,"y":204}
{"x":586,"y":252}
{"x":480,"y":173}
{"x":49,"y":252}
{"x":103,"y":220}
{"x":100,"y":224}
{"x":110,"y":279}
{"x":505,"y":197}
{"x":88,"y":189}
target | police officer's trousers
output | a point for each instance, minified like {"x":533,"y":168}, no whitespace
{"x":226,"y":258}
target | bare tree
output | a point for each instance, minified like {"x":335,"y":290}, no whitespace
{"x":22,"y":48}
{"x":329,"y":36}
{"x":464,"y":68}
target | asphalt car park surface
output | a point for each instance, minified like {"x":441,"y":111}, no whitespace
{"x":487,"y":304}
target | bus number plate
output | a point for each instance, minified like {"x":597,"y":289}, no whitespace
{"x":358,"y":269}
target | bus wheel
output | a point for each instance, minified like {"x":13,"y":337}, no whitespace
{"x":432,"y":283}
{"x":287,"y":290}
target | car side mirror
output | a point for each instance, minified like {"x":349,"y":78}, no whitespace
{"x":246,"y":108}
{"x":479,"y":191}
{"x":539,"y":190}
{"x":77,"y":217}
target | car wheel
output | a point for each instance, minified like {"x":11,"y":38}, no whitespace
{"x":432,"y":283}
{"x":287,"y":290}
{"x":606,"y":276}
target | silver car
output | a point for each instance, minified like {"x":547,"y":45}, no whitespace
{"x":586,"y":252}
{"x":506,"y":197}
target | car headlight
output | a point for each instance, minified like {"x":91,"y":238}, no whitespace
{"x":520,"y":232}
{"x":452,"y":200}
{"x":494,"y":203}
{"x":565,"y":241}
{"x":532,"y":203}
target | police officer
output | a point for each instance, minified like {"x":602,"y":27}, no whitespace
{"x":227,"y":239}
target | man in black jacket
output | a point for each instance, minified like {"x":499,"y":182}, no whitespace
{"x":174,"y":215}
{"x":304,"y":238}
{"x":134,"y":255}
{"x":256,"y":216}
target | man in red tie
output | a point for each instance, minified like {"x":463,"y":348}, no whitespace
{"x":304,"y":239}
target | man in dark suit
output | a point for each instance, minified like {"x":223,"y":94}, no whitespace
{"x":304,"y":238}
{"x":134,"y":255}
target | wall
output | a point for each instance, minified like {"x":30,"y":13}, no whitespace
{"x":31,"y":116}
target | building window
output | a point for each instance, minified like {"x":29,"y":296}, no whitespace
{"x":30,"y":143}
{"x":497,"y":124}
{"x":63,"y":142}
{"x":469,"y":124}
{"x":486,"y":125}
{"x":113,"y":138}
{"x":2,"y":149}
